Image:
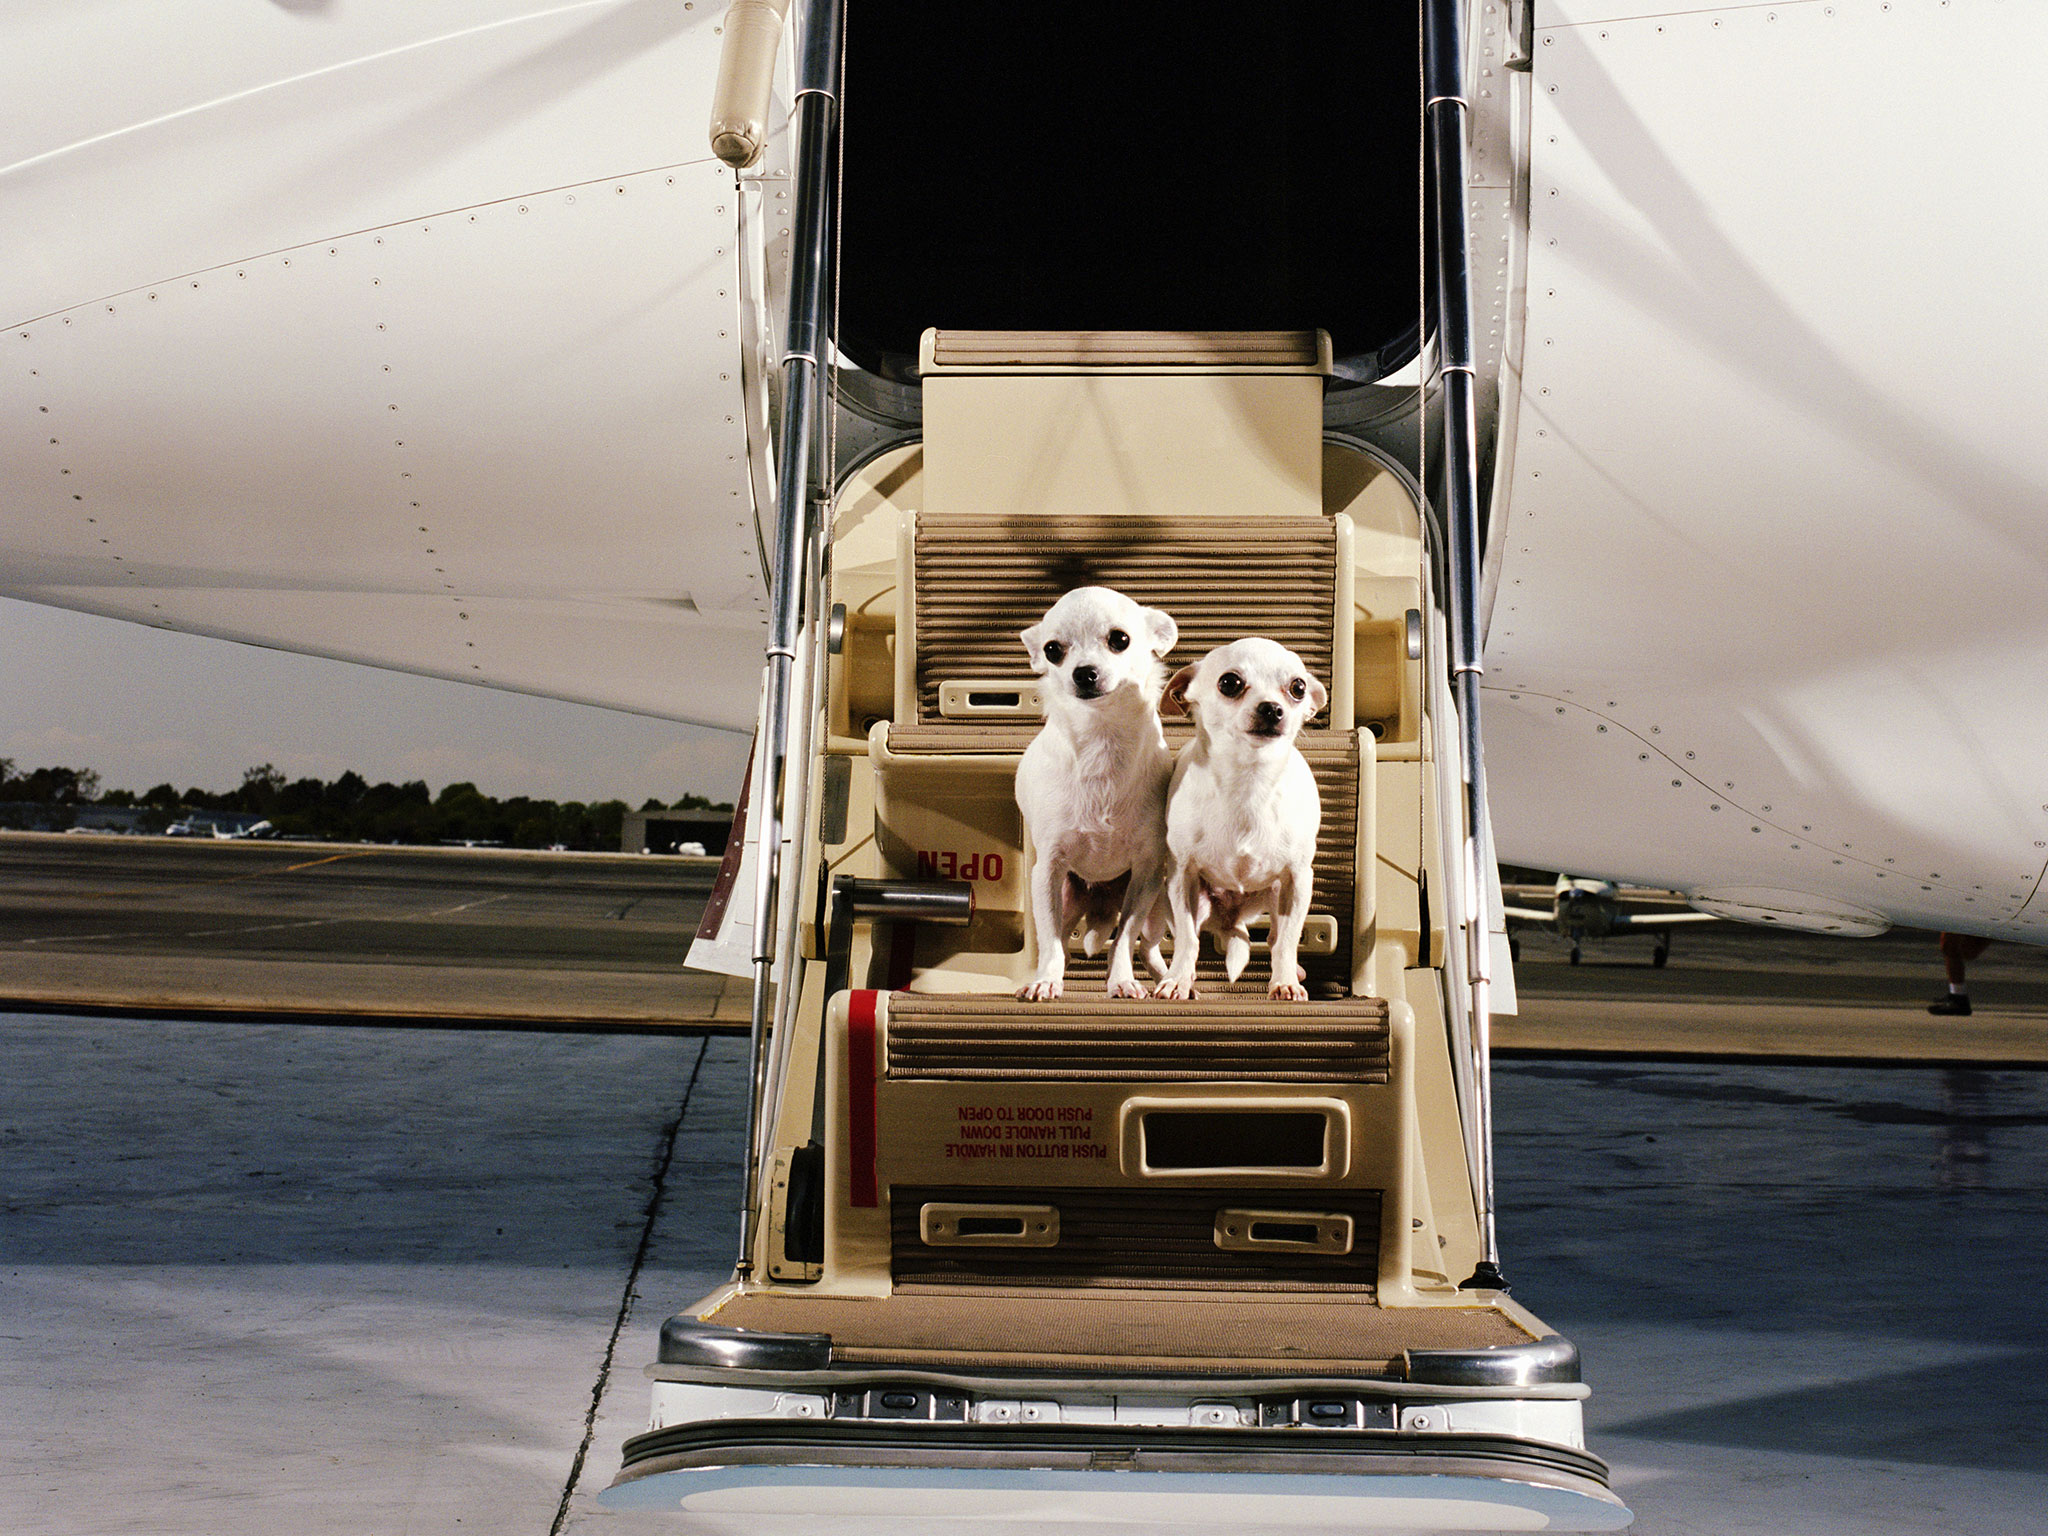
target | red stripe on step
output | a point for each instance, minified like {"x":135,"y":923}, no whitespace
{"x":860,"y":1098}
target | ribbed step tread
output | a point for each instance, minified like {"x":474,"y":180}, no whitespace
{"x":1126,"y":349}
{"x":1229,"y":1038}
{"x":982,"y":581}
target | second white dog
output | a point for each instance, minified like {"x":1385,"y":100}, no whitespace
{"x":1243,"y":811}
{"x":1092,"y":784}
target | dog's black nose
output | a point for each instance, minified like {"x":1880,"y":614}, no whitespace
{"x":1085,"y":678}
{"x":1268,"y":712}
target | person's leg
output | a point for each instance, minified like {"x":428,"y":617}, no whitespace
{"x":1952,"y":962}
{"x":1957,"y":950}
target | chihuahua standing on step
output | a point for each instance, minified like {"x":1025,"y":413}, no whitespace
{"x":1243,"y":811}
{"x":1092,"y":784}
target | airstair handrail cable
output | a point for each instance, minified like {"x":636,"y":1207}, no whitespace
{"x":804,"y":358}
{"x":1445,"y":115}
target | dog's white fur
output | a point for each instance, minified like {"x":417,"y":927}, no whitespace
{"x":1092,"y":784}
{"x":1242,"y":812}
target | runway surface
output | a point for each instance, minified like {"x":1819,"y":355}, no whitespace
{"x":239,"y":928}
{"x":394,"y":1282}
{"x":293,"y":930}
{"x":1731,"y":989}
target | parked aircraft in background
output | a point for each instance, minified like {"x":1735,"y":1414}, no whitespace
{"x":1592,"y":909}
{"x":220,"y":831}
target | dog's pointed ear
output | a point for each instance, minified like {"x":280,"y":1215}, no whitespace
{"x":1175,"y":700}
{"x":1165,"y":633}
{"x":1318,"y":697}
{"x":1031,"y":638}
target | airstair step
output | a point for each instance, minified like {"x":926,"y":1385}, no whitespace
{"x":981,"y":581}
{"x":1223,"y":1038}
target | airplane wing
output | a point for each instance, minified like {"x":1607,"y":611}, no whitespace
{"x":415,"y":335}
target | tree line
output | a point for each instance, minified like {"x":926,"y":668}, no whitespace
{"x":347,"y":809}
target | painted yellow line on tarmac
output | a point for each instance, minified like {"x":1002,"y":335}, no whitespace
{"x":260,"y":874}
{"x":332,"y":858}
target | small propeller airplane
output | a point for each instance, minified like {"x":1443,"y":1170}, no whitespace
{"x":1583,"y":909}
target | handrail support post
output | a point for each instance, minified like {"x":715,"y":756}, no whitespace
{"x":1445,"y":114}
{"x":805,"y":357}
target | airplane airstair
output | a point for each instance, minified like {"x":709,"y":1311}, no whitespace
{"x":1216,"y":1264}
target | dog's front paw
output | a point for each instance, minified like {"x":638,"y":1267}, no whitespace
{"x":1174,"y":988}
{"x":1040,"y":991}
{"x":1288,"y":992}
{"x":1133,"y":988}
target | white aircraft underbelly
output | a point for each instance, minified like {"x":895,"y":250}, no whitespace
{"x":1769,"y":609}
{"x":409,"y":334}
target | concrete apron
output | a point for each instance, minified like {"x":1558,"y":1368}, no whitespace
{"x":353,"y":1280}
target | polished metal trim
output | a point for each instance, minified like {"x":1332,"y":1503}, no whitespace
{"x":855,"y":899}
{"x":1544,"y":1362}
{"x":922,"y":901}
{"x":797,"y":539}
{"x":1098,"y":1389}
{"x":686,"y":1340}
{"x":1361,"y":1453}
{"x":1444,"y":24}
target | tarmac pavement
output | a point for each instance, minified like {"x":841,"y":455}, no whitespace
{"x":276,"y":929}
{"x":293,"y":1278}
{"x":1732,"y":990}
{"x":318,"y":1279}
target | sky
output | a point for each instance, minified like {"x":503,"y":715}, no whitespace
{"x":143,"y":706}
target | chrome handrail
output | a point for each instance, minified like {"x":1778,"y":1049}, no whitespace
{"x":804,"y":358}
{"x":1445,"y":113}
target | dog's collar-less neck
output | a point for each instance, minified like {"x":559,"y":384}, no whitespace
{"x":1261,"y":764}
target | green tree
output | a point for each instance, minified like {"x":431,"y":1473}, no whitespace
{"x":260,"y":787}
{"x":606,"y":817}
{"x":56,"y":786}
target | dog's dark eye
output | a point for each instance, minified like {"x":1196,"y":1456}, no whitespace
{"x":1298,"y":689}
{"x":1119,"y":641}
{"x":1230,"y":685}
{"x":1055,"y":653}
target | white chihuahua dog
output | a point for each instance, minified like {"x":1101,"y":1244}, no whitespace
{"x":1243,"y":811}
{"x":1092,"y":784}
